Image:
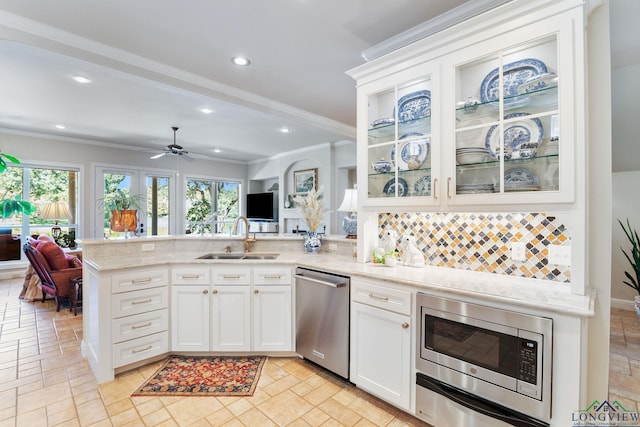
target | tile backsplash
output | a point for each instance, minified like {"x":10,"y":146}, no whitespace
{"x":482,"y":241}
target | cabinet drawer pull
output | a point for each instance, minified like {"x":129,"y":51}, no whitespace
{"x":206,"y":291}
{"x":381,"y":298}
{"x":230,"y":276}
{"x":190,"y":276}
{"x":139,"y":281}
{"x":405,"y":325}
{"x":144,"y":325}
{"x":140,"y":350}
{"x":144,"y":301}
{"x":272,"y":277}
{"x":255,"y":291}
{"x":449,"y":188}
{"x":215,"y":291}
{"x":435,"y":188}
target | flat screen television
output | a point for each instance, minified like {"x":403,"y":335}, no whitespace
{"x":262,"y":206}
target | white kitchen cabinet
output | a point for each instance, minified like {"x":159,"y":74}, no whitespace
{"x":190,"y":318}
{"x":231,"y":309}
{"x":272,"y":309}
{"x":381,"y":331}
{"x":502,"y":93}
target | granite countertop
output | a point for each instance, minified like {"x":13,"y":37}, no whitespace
{"x":515,"y":291}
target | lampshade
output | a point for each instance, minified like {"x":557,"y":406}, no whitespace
{"x":55,"y":211}
{"x":350,"y":204}
{"x":350,"y":201}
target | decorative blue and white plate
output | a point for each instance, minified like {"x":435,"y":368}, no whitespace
{"x":414,"y":105}
{"x":520,"y":179}
{"x":412,"y":153}
{"x":390,"y":187}
{"x":515,"y":133}
{"x":513,"y":76}
{"x":422,"y":186}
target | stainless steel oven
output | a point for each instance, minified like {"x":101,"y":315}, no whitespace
{"x":483,"y":357}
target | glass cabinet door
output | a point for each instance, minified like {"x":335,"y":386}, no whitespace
{"x":506,"y":112}
{"x":399,"y":141}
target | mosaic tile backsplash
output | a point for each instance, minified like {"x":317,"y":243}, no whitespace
{"x":482,"y":242}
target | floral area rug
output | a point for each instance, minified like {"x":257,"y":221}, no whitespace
{"x":205,"y":376}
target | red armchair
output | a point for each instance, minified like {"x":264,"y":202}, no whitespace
{"x":54,"y":268}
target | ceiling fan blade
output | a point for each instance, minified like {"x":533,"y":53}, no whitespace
{"x":188,"y":157}
{"x":157,"y":156}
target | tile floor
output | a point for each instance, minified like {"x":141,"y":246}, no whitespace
{"x":44,"y":381}
{"x":624,"y":359}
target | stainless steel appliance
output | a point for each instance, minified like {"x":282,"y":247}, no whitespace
{"x":322,"y":319}
{"x":496,"y":362}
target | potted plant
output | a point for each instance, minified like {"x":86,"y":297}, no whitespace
{"x":124,"y":209}
{"x":634,"y":259}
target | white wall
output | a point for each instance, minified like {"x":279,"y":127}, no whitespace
{"x":625,"y":205}
{"x":333,"y":161}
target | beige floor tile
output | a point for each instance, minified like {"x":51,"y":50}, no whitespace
{"x":240,"y":406}
{"x":43,"y":397}
{"x":255,"y":417}
{"x":190,"y":410}
{"x":315,"y":417}
{"x":322,"y":393}
{"x":156,"y":417}
{"x":220,"y":417}
{"x":60,"y":417}
{"x":35,"y":418}
{"x":285,"y":407}
{"x":281,"y":385}
{"x":339,"y":412}
{"x":92,"y":412}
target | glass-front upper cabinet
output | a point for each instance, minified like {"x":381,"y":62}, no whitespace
{"x":399,"y":141}
{"x":507,"y":131}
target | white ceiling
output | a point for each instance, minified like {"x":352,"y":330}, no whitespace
{"x":154,"y":63}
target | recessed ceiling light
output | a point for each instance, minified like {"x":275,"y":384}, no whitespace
{"x":217,"y":150}
{"x":285,"y":129}
{"x":206,"y":110}
{"x":61,"y":127}
{"x":81,"y":79}
{"x":240,"y":60}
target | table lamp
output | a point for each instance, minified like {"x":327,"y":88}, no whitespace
{"x":55,"y":211}
{"x":350,"y":204}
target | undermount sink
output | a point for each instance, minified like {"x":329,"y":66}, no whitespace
{"x":226,"y":255}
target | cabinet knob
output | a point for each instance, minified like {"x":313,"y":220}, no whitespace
{"x":215,"y":291}
{"x":206,"y":291}
{"x":255,"y":291}
{"x":405,"y":325}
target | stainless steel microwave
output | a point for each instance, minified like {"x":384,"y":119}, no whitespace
{"x":497,"y":355}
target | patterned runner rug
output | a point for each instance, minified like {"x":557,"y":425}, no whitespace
{"x":205,"y":376}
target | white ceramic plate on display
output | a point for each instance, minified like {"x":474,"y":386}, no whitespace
{"x":414,"y":105}
{"x":514,"y":75}
{"x":413,"y":153}
{"x":390,"y":187}
{"x":515,"y":133}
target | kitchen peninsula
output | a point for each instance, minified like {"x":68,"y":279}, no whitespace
{"x":132,"y":292}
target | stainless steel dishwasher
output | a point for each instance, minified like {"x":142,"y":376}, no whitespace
{"x":322,"y":319}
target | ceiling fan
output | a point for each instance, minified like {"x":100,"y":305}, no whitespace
{"x":174,"y":149}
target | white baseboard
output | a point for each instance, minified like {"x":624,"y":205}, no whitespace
{"x":623,"y":304}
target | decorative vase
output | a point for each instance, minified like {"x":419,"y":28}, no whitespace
{"x":637,"y":304}
{"x":124,"y":220}
{"x":312,"y":242}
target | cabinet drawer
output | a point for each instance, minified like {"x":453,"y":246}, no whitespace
{"x":231,"y":276}
{"x":139,"y":325}
{"x":395,"y":300}
{"x":136,"y":302}
{"x":272,"y":276}
{"x":190,"y":276}
{"x":139,"y":279}
{"x":132,"y":351}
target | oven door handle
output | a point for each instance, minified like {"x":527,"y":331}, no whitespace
{"x":479,"y":405}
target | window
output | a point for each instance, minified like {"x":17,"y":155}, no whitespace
{"x":211,"y":206}
{"x":39,"y":186}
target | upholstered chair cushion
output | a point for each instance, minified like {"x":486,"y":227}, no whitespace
{"x":54,"y":255}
